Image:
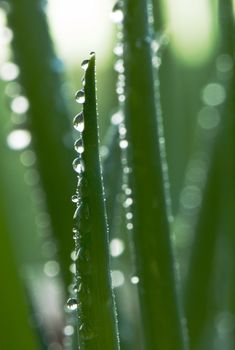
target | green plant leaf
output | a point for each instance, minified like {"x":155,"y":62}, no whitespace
{"x":96,"y":309}
{"x":154,"y":259}
{"x":16,"y":332}
{"x":48,"y":122}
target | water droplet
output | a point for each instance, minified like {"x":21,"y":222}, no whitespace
{"x":72,"y":304}
{"x":116,"y":247}
{"x":68,"y":330}
{"x":78,"y":165}
{"x":156,"y":61}
{"x":129,"y":216}
{"x":73,"y":255}
{"x":28,"y":158}
{"x":128,"y":191}
{"x":78,"y":122}
{"x":118,"y":50}
{"x":18,"y":139}
{"x":84,"y":65}
{"x":208,"y":118}
{"x":129,"y":226}
{"x":20,"y":104}
{"x":214,"y":94}
{"x":74,"y":198}
{"x":51,"y":268}
{"x":80,"y":96}
{"x":118,"y":278}
{"x":123,"y":144}
{"x":117,"y":13}
{"x":79,"y":147}
{"x":9,"y":71}
{"x":191,"y":197}
{"x":72,"y":268}
{"x":117,"y":118}
{"x":119,"y":66}
{"x":128,"y":202}
{"x":75,"y":230}
{"x":122,"y":130}
{"x":135,"y":280}
{"x":75,"y":288}
{"x":224,"y":63}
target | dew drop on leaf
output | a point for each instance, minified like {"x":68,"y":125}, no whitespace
{"x":79,"y":147}
{"x":74,"y":198}
{"x":134,"y":279}
{"x":78,"y":122}
{"x":117,"y":13}
{"x":85,"y":64}
{"x":78,"y":165}
{"x":72,"y":304}
{"x":80,"y":96}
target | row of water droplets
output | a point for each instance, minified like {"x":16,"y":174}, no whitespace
{"x":118,"y":119}
{"x":80,"y":299}
{"x":209,"y":120}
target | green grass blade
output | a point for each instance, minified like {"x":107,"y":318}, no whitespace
{"x":97,"y":319}
{"x":16,"y":332}
{"x":48,"y":120}
{"x":215,"y":218}
{"x":154,"y":258}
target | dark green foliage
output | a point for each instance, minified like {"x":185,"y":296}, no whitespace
{"x":161,"y":100}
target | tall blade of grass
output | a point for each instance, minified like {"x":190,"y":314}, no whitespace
{"x":97,"y":315}
{"x":154,"y":258}
{"x":48,"y":114}
{"x":16,"y":332}
{"x":217,"y":195}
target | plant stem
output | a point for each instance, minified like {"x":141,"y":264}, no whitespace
{"x":97,"y":314}
{"x":154,"y":258}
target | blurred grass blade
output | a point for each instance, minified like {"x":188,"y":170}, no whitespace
{"x":39,"y":73}
{"x":154,"y":258}
{"x":213,"y":219}
{"x":97,"y":314}
{"x":16,"y":332}
{"x":111,"y":171}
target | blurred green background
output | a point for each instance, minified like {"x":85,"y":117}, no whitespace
{"x":40,"y":70}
